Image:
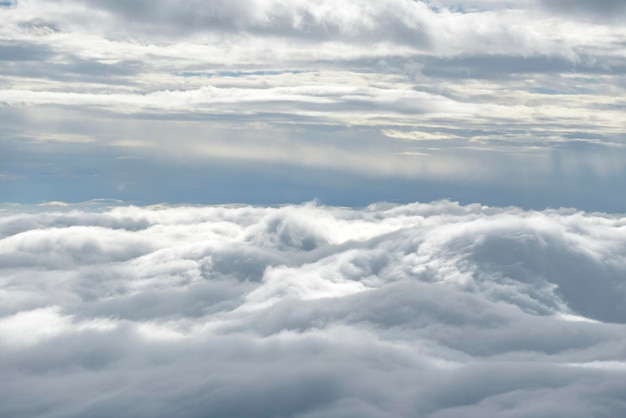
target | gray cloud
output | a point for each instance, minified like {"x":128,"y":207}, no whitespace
{"x":396,"y":20}
{"x":603,"y":10}
{"x":311,"y":311}
{"x":24,"y":52}
{"x":396,"y":63}
{"x":431,"y":310}
{"x":493,"y":67}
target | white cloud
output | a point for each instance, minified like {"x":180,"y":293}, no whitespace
{"x":311,"y":311}
{"x":416,"y":135}
{"x":507,"y":70}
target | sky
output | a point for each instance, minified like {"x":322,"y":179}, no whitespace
{"x":311,"y":209}
{"x":349,"y":102}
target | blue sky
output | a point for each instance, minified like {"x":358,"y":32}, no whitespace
{"x":267,"y":102}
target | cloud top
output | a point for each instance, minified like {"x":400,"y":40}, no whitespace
{"x":312,"y":311}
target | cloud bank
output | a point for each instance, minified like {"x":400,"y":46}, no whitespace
{"x":310,"y":85}
{"x":470,"y":65}
{"x":435,"y":310}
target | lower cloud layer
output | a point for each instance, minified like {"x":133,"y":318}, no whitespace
{"x":435,"y":310}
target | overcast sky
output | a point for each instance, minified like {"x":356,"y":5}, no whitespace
{"x":312,"y":208}
{"x":268,"y":101}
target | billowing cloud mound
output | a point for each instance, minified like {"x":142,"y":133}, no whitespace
{"x":435,"y":310}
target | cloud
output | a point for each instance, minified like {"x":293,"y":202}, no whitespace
{"x":399,"y":20}
{"x":311,"y":311}
{"x":23,"y":52}
{"x":312,"y":100}
{"x":602,"y":10}
{"x":416,"y":135}
{"x":494,"y":70}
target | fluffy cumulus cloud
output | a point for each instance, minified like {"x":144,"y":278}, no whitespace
{"x":437,"y":310}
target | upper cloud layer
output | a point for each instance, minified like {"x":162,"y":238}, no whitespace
{"x":312,"y":311}
{"x":523,"y":92}
{"x":400,"y":20}
{"x":602,"y":10}
{"x":486,"y":71}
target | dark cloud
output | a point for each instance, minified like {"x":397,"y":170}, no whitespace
{"x":607,"y":10}
{"x":492,"y":67}
{"x":24,"y":52}
{"x":312,"y":311}
{"x":43,"y":65}
{"x":304,"y":20}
